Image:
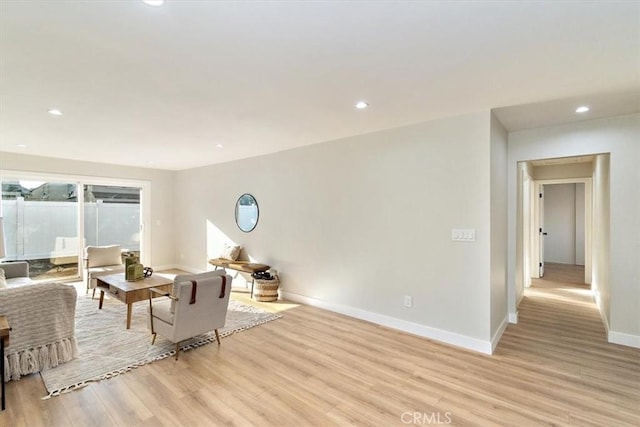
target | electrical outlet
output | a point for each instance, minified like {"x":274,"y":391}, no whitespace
{"x":408,"y":301}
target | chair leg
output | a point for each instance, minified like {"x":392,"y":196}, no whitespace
{"x":93,"y":295}
{"x":177,"y":349}
{"x":153,"y":338}
{"x":217,"y":337}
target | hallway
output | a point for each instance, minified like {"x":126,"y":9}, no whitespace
{"x":561,"y":340}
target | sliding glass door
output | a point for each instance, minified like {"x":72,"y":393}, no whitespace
{"x":112,"y":216}
{"x":49,"y":223}
{"x":41,"y":226}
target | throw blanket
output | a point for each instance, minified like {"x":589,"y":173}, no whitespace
{"x":42,"y":321}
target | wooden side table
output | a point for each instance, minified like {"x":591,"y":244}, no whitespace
{"x":4,"y":342}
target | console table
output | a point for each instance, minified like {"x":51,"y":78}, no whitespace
{"x":242,"y":266}
{"x":4,"y":342}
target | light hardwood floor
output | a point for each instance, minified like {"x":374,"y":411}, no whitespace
{"x":314,"y":367}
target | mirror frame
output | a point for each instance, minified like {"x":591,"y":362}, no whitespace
{"x":257,"y":212}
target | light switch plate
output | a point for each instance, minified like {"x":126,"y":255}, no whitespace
{"x":463,"y":235}
{"x":408,"y":301}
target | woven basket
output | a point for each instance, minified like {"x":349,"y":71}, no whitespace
{"x":266,"y":290}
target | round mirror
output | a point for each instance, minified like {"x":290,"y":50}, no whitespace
{"x":247,"y":213}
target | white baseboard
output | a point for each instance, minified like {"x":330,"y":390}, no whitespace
{"x":394,"y":323}
{"x":177,"y":267}
{"x":612,"y":336}
{"x":624,"y":339}
{"x":496,"y":337}
{"x":513,"y":317}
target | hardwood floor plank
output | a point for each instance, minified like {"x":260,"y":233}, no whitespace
{"x":116,"y":394}
{"x":314,"y":367}
{"x":25,"y":406}
{"x":85,"y":408}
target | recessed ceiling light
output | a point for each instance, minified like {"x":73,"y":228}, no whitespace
{"x":55,"y":112}
{"x":219,"y":145}
{"x":361,"y":105}
{"x":21,"y":146}
{"x":154,"y":2}
{"x":582,"y":109}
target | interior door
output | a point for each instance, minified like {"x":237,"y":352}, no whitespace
{"x":541,"y":231}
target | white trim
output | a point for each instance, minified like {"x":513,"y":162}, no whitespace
{"x":58,"y":177}
{"x":624,"y":339}
{"x":513,"y":317}
{"x":145,"y":221}
{"x":564,"y":180}
{"x":178,"y":267}
{"x":588,"y":226}
{"x":588,"y":231}
{"x":394,"y":323}
{"x":496,"y":337}
{"x":536,"y":246}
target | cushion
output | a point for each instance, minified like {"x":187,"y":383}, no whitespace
{"x":3,"y":279}
{"x":230,"y":252}
{"x":161,"y":310}
{"x":105,"y":270}
{"x":18,"y":281}
{"x":104,"y":255}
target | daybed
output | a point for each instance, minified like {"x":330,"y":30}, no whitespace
{"x":42,"y":321}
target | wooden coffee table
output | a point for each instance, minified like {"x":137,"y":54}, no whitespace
{"x":129,"y":292}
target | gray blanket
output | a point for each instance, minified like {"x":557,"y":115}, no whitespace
{"x":42,"y":321}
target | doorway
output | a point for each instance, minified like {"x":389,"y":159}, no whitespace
{"x":562,"y":225}
{"x":535,"y":175}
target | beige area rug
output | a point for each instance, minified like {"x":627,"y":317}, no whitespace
{"x":108,"y":349}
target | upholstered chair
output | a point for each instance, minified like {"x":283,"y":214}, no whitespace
{"x":102,"y":261}
{"x":197,"y":304}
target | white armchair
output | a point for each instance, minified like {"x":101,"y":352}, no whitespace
{"x":197,"y":304}
{"x":101,"y":261}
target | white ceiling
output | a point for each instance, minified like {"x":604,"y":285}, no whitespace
{"x":139,"y":84}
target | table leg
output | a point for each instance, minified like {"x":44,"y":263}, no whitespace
{"x":253,"y":281}
{"x":101,"y":299}
{"x":129,"y":310}
{"x":2,"y":369}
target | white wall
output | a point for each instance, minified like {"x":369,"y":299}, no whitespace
{"x":560,"y":223}
{"x":354,"y":225}
{"x":498,"y":228}
{"x":162,"y":203}
{"x":601,"y":283}
{"x":522,"y":250}
{"x":529,"y":196}
{"x":618,"y":136}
